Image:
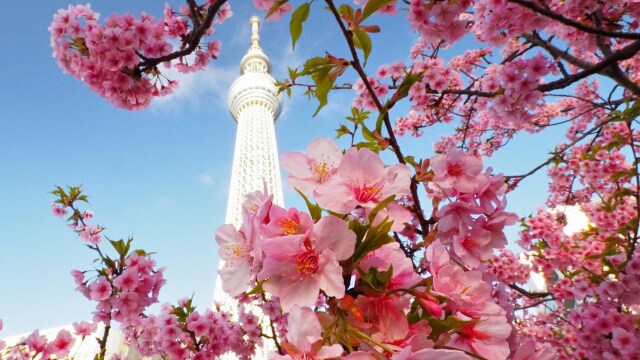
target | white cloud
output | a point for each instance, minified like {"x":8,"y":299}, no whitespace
{"x":197,"y":88}
{"x":206,"y":179}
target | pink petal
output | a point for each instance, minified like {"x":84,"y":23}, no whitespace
{"x":304,"y":328}
{"x":235,"y":279}
{"x":358,"y":165}
{"x":330,"y":352}
{"x":324,"y":150}
{"x":293,"y":291}
{"x":330,"y":278}
{"x":333,"y":233}
{"x":336,"y":195}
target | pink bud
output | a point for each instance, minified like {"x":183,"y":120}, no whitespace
{"x":430,"y":306}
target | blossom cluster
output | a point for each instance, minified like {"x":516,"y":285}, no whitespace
{"x":113,"y":58}
{"x":38,"y":346}
{"x":364,"y":273}
{"x":181,"y":332}
{"x":365,"y":286}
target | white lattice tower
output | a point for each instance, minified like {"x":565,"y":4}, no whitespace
{"x":255,"y":105}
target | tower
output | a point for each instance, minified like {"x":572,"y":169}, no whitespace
{"x":254,"y":103}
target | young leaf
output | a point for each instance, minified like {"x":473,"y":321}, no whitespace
{"x":314,"y":210}
{"x":275,"y":7}
{"x":375,"y":237}
{"x":373,"y":6}
{"x":439,"y":327}
{"x":361,"y":40}
{"x":297,"y":19}
{"x":380,"y":206}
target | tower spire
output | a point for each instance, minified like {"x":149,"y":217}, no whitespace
{"x":255,"y":61}
{"x":255,"y":32}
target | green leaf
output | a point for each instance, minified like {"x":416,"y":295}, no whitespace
{"x":257,"y":290}
{"x":374,"y":238}
{"x":318,"y":69}
{"x":413,"y":316}
{"x":380,"y":119}
{"x":180,"y":314}
{"x":362,"y":41}
{"x":381,"y":205}
{"x":410,"y":160}
{"x":323,"y":86}
{"x":275,"y":7}
{"x":141,"y":252}
{"x":314,"y":210}
{"x":374,"y":282}
{"x":346,"y":10}
{"x":367,"y":134}
{"x":120,"y":247}
{"x":297,"y":19}
{"x":342,"y":130}
{"x":371,"y":145}
{"x":439,"y":327}
{"x":373,"y":6}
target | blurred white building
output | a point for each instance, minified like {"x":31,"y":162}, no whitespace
{"x":84,"y":349}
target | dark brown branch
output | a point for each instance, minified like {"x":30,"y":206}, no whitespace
{"x":103,"y":342}
{"x":195,"y":14}
{"x":192,"y":42}
{"x":604,"y":67}
{"x":537,"y":303}
{"x":634,"y":240}
{"x":556,"y":52}
{"x":566,"y":21}
{"x":567,"y":147}
{"x":529,"y":294}
{"x":393,"y":142}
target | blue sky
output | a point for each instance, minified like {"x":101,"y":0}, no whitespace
{"x":161,"y":174}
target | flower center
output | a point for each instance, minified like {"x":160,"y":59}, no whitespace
{"x":469,"y":331}
{"x":234,"y":252}
{"x":469,"y":242}
{"x":288,"y":226}
{"x":321,"y":171}
{"x":307,"y":263}
{"x":367,"y":193}
{"x":454,"y":169}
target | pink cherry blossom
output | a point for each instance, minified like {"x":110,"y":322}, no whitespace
{"x":487,"y":338}
{"x":297,"y":267}
{"x":100,"y":289}
{"x":307,"y":171}
{"x":61,"y":345}
{"x":527,"y":351}
{"x":363,"y":181}
{"x":456,"y":171}
{"x":286,"y":222}
{"x":36,"y":342}
{"x":58,"y":211}
{"x":91,"y":234}
{"x":429,"y":353}
{"x":236,"y":250}
{"x":304,"y":340}
{"x":84,"y":328}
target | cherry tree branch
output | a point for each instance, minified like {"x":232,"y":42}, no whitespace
{"x":566,"y":21}
{"x":603,"y":67}
{"x":567,"y":147}
{"x":192,"y":43}
{"x":393,"y":142}
{"x":529,"y":294}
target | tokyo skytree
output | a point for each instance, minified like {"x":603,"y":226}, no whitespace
{"x":255,"y":104}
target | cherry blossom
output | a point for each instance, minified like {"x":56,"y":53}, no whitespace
{"x":297,"y":267}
